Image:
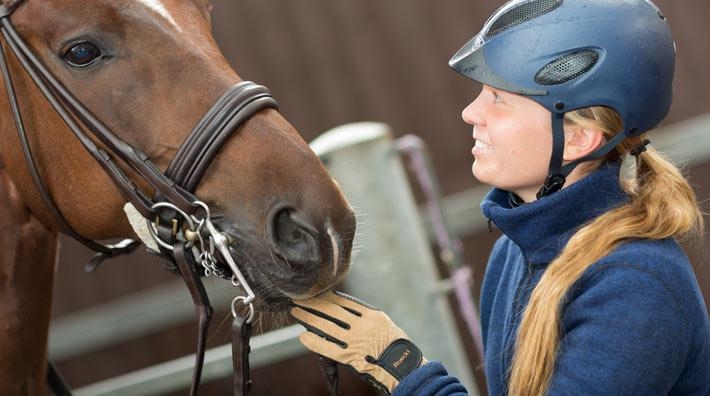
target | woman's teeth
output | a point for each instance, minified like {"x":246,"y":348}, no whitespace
{"x":483,"y":146}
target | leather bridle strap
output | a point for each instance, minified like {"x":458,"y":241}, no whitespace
{"x":199,"y":149}
{"x":122,"y":247}
{"x":241,"y":335}
{"x":236,"y":106}
{"x":7,"y":9}
{"x":329,"y":368}
{"x":189,"y":165}
{"x":74,"y":112}
{"x":188,"y":269}
{"x":56,"y":382}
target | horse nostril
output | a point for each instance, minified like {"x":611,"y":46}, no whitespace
{"x":287,"y":231}
{"x":295,"y":239}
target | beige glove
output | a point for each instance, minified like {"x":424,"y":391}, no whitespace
{"x":354,"y":333}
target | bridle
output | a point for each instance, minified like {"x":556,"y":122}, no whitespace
{"x":237,"y":105}
{"x":179,"y":223}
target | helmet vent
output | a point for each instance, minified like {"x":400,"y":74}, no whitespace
{"x":519,"y":14}
{"x":567,"y":67}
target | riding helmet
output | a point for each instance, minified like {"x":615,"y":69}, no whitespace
{"x":572,"y":54}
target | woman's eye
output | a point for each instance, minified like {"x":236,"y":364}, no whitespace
{"x":83,"y":54}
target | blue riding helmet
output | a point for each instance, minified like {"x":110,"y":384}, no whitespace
{"x":571,"y":54}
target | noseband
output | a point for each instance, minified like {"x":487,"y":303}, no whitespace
{"x":179,"y":221}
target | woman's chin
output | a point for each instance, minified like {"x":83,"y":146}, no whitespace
{"x":479,"y":173}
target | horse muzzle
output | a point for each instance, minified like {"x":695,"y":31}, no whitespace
{"x":298,"y":256}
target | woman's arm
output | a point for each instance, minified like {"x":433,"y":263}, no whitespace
{"x":354,"y":333}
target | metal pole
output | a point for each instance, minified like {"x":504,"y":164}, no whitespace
{"x":171,"y":376}
{"x":393,"y":267}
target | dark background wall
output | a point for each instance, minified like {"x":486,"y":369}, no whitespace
{"x":339,"y":61}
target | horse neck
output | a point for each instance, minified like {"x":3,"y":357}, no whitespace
{"x":28,"y":252}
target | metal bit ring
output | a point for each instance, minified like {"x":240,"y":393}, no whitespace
{"x":154,"y":232}
{"x":240,"y":300}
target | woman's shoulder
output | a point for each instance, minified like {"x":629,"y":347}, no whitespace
{"x":642,"y":306}
{"x":655,"y":272}
{"x":657,"y":261}
{"x":666,"y":249}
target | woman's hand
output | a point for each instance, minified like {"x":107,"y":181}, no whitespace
{"x":354,"y":333}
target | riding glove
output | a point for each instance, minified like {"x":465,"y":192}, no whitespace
{"x":354,"y":333}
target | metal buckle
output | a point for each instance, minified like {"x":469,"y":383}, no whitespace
{"x":152,"y":226}
{"x":242,"y":300}
{"x":216,"y":243}
{"x":219,"y":241}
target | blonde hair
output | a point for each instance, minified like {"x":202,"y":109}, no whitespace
{"x":662,"y":205}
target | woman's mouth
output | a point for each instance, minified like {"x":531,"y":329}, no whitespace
{"x":481,"y":147}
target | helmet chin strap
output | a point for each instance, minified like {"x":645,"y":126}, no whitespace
{"x":557,"y":175}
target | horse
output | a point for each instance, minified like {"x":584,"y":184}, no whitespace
{"x":125,"y":109}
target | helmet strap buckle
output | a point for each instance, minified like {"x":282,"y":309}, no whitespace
{"x":553,"y":183}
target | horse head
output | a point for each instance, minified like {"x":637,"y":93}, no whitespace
{"x":150,"y":70}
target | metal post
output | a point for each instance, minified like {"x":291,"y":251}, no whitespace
{"x":393,"y":267}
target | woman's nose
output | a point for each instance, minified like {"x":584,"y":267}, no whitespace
{"x":473,"y":113}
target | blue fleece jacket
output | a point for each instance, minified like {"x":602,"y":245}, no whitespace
{"x":635,"y":323}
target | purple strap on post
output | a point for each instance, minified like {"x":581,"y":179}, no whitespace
{"x":462,"y":278}
{"x":450,"y":248}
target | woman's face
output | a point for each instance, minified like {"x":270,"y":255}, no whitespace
{"x":513,"y":141}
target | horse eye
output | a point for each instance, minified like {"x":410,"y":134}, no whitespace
{"x":83,"y":54}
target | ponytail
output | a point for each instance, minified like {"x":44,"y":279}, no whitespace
{"x":662,"y":205}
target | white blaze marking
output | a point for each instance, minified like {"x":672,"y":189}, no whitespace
{"x":159,"y":8}
{"x":334,"y":242}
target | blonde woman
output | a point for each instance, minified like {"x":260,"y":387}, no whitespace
{"x":587,"y":291}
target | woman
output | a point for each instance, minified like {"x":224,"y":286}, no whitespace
{"x":587,"y":291}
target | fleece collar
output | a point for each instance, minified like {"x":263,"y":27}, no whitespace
{"x":542,"y":228}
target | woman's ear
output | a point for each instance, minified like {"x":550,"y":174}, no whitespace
{"x":581,"y":141}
